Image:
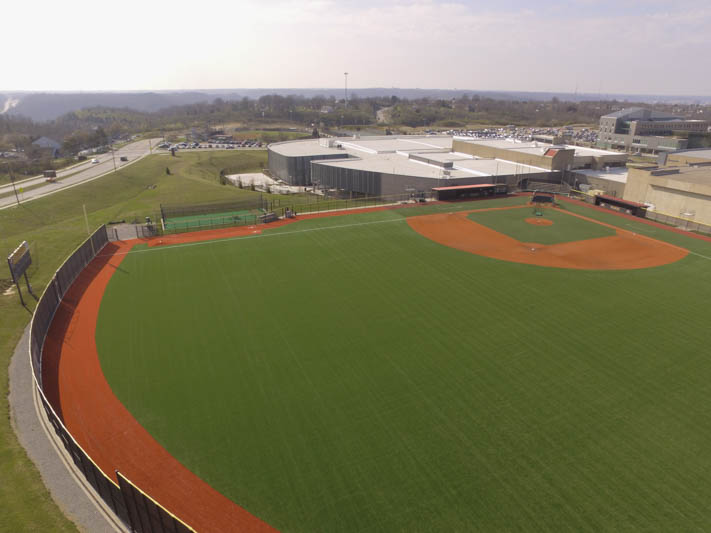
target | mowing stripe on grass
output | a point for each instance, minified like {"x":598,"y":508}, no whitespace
{"x":371,"y":380}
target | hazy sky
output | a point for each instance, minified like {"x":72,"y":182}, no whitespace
{"x":622,"y":46}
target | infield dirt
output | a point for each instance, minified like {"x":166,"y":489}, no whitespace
{"x":622,"y":251}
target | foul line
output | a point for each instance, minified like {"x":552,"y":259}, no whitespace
{"x":340,"y":226}
{"x":648,"y":232}
{"x":245,"y":237}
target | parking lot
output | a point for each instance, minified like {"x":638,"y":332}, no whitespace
{"x":579,"y":135}
{"x":207,"y":145}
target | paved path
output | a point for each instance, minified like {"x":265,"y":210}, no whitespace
{"x":77,"y":174}
{"x":68,"y":487}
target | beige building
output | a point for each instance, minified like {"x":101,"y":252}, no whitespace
{"x":683,"y":192}
{"x":646,"y":130}
{"x":543,"y":155}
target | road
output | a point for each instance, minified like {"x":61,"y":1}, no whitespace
{"x":75,"y":175}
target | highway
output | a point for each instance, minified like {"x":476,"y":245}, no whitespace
{"x":75,"y":175}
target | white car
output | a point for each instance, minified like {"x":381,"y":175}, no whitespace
{"x":94,"y":161}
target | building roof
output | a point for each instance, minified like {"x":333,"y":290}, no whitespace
{"x":697,"y":175}
{"x":701,"y":153}
{"x":426,"y":156}
{"x":459,"y":187}
{"x":303,"y":148}
{"x":641,"y":113}
{"x":495,"y":167}
{"x":539,"y":148}
{"x":394,"y":163}
{"x":618,"y":174}
{"x":46,"y":142}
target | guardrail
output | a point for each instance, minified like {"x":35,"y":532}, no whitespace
{"x":137,"y":510}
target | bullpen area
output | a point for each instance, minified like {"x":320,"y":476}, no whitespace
{"x":414,"y":369}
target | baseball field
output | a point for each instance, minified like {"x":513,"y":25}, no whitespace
{"x":409,"y":370}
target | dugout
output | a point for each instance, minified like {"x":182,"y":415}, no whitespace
{"x":618,"y":204}
{"x":460,"y":192}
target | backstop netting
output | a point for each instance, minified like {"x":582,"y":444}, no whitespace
{"x":245,"y":211}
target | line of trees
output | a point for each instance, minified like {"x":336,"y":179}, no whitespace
{"x":94,"y":126}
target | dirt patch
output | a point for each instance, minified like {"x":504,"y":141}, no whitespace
{"x":538,"y":221}
{"x":623,"y":251}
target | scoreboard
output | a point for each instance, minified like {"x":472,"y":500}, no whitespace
{"x":19,"y":261}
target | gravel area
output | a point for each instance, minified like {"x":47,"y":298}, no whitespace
{"x":67,"y":485}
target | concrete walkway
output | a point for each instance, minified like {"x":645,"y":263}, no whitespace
{"x":68,"y":487}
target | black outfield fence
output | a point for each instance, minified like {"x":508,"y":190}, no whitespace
{"x":137,"y":510}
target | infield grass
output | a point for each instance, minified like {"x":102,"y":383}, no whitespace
{"x":347,"y":374}
{"x":564,"y":228}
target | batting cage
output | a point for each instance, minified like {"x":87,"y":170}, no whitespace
{"x":191,"y":217}
{"x":540,"y":200}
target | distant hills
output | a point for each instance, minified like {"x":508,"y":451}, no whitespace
{"x":43,"y":106}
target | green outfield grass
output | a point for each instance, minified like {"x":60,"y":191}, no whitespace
{"x":565,"y":228}
{"x":54,"y":226}
{"x":347,"y":374}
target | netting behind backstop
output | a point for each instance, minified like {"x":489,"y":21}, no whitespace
{"x":246,"y":204}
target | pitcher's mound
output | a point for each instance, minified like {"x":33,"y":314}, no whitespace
{"x":538,"y":221}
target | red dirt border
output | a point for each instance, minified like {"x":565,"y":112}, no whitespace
{"x":76,"y":387}
{"x":75,"y":384}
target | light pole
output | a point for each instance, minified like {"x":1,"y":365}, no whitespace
{"x":345,"y":75}
{"x":113,"y":157}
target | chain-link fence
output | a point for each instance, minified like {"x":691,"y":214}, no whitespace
{"x":133,"y":507}
{"x":679,"y":222}
{"x":223,"y":215}
{"x":335,"y":204}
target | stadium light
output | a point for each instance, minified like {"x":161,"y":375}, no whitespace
{"x":345,"y":75}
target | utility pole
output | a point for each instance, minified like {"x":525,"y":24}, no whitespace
{"x":12,"y":180}
{"x":345,"y":75}
{"x":113,"y":157}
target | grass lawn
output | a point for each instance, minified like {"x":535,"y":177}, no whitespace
{"x":54,"y":226}
{"x":564,"y":227}
{"x":347,"y":374}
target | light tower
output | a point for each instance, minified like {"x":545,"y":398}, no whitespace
{"x":345,"y":75}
